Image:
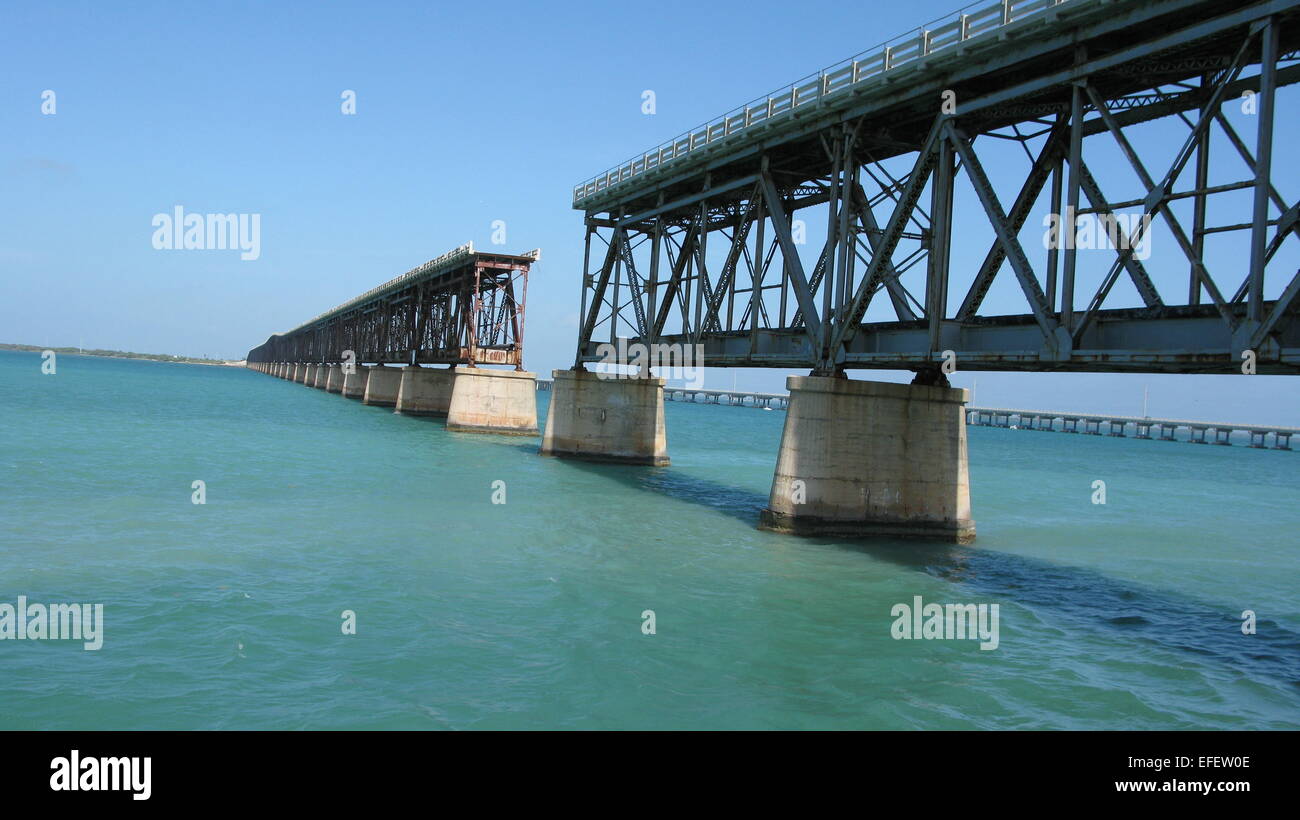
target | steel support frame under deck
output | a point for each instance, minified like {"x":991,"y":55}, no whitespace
{"x":757,"y":302}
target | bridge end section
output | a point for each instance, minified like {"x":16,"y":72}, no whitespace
{"x":872,"y":459}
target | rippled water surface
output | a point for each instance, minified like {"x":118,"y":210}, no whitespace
{"x":528,"y":614}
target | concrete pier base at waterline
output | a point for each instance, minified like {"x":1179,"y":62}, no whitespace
{"x":334,"y":379}
{"x":382,"y":386}
{"x":309,"y":375}
{"x":595,"y":417}
{"x":299,"y":373}
{"x":493,"y":401}
{"x":861,"y":458}
{"x":354,"y":383}
{"x":426,"y":391}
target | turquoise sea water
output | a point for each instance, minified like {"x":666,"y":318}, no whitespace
{"x":528,"y":614}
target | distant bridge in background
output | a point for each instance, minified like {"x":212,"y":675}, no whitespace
{"x":1198,"y":432}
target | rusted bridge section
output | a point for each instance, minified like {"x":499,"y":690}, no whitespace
{"x":464,"y":307}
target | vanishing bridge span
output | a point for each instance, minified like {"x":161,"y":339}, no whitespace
{"x":463,"y":309}
{"x":817,"y":227}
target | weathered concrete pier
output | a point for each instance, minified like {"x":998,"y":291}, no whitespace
{"x":602,"y":418}
{"x":464,"y":310}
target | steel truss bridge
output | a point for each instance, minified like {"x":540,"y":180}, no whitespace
{"x":465,"y":307}
{"x":699,"y":240}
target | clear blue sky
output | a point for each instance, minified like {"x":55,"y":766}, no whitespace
{"x":466,"y":114}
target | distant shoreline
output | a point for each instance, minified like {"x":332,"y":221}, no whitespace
{"x":121,"y":354}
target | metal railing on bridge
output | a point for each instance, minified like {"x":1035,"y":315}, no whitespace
{"x":865,"y":68}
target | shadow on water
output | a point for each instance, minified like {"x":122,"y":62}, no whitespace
{"x":1086,"y":598}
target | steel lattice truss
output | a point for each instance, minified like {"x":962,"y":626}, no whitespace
{"x":707,"y":250}
{"x":466,"y":307}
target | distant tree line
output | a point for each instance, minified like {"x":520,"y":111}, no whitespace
{"x":116,"y":354}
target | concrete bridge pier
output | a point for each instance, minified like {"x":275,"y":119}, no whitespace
{"x":426,"y":391}
{"x":606,"y":419}
{"x":493,"y":401}
{"x":382,"y":385}
{"x":354,"y":383}
{"x":861,"y":458}
{"x":322,"y":374}
{"x":309,"y":375}
{"x":334,"y":379}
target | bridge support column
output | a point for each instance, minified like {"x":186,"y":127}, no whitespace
{"x":606,"y":419}
{"x":309,"y":375}
{"x":322,"y":373}
{"x":425,"y":391}
{"x":354,"y":383}
{"x":861,"y":458}
{"x":382,"y":385}
{"x":493,"y":401}
{"x":334,"y":379}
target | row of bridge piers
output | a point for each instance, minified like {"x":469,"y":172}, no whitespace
{"x":471,"y":399}
{"x":857,"y":458}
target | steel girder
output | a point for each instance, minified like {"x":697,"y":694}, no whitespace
{"x":720,"y":254}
